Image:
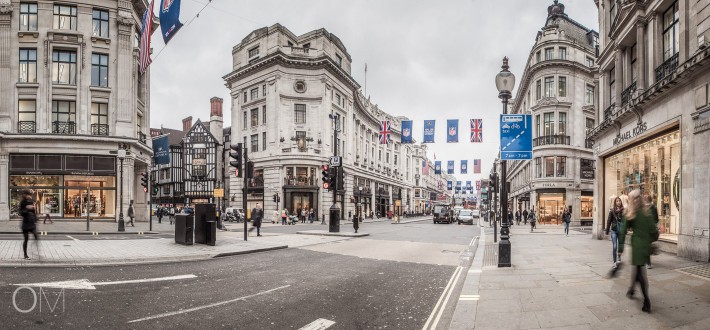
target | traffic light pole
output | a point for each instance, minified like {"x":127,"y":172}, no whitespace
{"x":245,"y":174}
{"x":334,"y":218}
{"x":150,"y":196}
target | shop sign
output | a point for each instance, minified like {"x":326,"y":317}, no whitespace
{"x":549,"y":185}
{"x":81,"y":173}
{"x":630,"y":134}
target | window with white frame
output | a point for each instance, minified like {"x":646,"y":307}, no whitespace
{"x":299,"y":111}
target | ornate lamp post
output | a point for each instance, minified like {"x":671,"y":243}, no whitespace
{"x":121,"y":155}
{"x":505,"y":81}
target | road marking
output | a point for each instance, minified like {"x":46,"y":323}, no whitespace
{"x":469,"y":297}
{"x":439,"y":307}
{"x":75,"y":240}
{"x":85,"y":284}
{"x":207,"y":306}
{"x":319,"y":324}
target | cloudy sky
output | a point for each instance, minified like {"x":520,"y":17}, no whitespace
{"x":427,"y":59}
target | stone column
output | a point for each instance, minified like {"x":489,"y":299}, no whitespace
{"x":126,"y":70}
{"x":640,"y":57}
{"x":6,"y":84}
{"x":618,"y":78}
{"x":4,"y":185}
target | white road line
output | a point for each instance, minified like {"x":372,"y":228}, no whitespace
{"x":319,"y":324}
{"x":207,"y":306}
{"x":145,"y":280}
{"x":75,"y":240}
{"x":84,"y":284}
{"x":469,"y":297}
{"x":448,"y":295}
{"x":443,"y":294}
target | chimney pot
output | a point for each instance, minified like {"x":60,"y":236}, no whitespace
{"x":216,"y":106}
{"x":187,"y":124}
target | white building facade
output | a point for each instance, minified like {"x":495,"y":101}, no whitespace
{"x":289,"y":94}
{"x":70,"y":95}
{"x":558,"y":89}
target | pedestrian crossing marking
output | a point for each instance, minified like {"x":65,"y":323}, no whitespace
{"x":469,"y":297}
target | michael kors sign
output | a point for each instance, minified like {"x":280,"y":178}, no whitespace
{"x":636,"y":131}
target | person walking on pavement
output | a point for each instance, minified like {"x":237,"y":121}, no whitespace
{"x":566,"y":218}
{"x":311,"y":216}
{"x":356,"y":224}
{"x":532,"y":220}
{"x":510,"y":218}
{"x":613,"y":225}
{"x":275,"y":220}
{"x":517,"y":217}
{"x":638,"y":217}
{"x":47,"y":207}
{"x":159,"y":213}
{"x":29,"y":220}
{"x":131,"y":214}
{"x":525,"y":216}
{"x":257,"y":215}
{"x":648,"y":202}
{"x":284,"y":215}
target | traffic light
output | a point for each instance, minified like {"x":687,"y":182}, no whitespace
{"x":250,"y":169}
{"x":326,"y":176}
{"x":341,"y":180}
{"x":144,"y":181}
{"x":237,"y":156}
{"x":155,"y":190}
{"x":274,"y":198}
{"x":333,"y":176}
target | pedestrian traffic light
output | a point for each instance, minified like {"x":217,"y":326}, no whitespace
{"x":333,"y":177}
{"x":326,"y":177}
{"x":274,"y":198}
{"x":341,"y":181}
{"x":237,"y":156}
{"x":250,"y":169}
{"x":144,"y":181}
{"x":155,"y":190}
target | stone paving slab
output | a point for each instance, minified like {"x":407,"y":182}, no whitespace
{"x":327,"y":233}
{"x":559,"y":281}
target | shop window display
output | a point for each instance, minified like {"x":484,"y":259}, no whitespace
{"x":652,"y":167}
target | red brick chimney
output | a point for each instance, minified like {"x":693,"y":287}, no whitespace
{"x":187,"y":124}
{"x":216,"y":106}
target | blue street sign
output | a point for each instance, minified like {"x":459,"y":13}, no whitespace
{"x":516,"y":137}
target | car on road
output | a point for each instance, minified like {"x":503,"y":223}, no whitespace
{"x":442,"y":213}
{"x":476,"y":213}
{"x":465,"y":217}
{"x":237,"y":212}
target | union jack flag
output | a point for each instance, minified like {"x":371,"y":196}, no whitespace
{"x":478,"y":185}
{"x":476,"y":130}
{"x":385,"y":131}
{"x":145,"y":39}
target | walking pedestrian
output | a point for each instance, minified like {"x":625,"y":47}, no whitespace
{"x":257,"y":215}
{"x":517,"y":217}
{"x":303,"y":215}
{"x":510,"y":218}
{"x":29,"y":220}
{"x":648,"y":201}
{"x":638,"y":217}
{"x":532,"y":220}
{"x":356,"y":225}
{"x":566,"y":218}
{"x":275,"y":220}
{"x":159,"y":213}
{"x":311,"y":216}
{"x":47,"y":207}
{"x":613,"y":225}
{"x":131,"y":214}
{"x":525,"y":216}
{"x":284,"y":215}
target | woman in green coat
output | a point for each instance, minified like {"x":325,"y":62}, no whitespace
{"x":638,"y":217}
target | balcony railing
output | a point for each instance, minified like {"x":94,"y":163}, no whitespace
{"x":26,"y":127}
{"x":256,"y":182}
{"x":99,"y":129}
{"x":551,"y":139}
{"x":667,"y":67}
{"x":608,"y":111}
{"x":627,"y":93}
{"x":301,"y":181}
{"x":589,"y":144}
{"x":142,"y":137}
{"x":364,"y":192}
{"x":64,"y":127}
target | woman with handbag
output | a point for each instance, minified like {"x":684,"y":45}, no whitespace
{"x":613,"y":224}
{"x":29,"y":219}
{"x":638,"y":217}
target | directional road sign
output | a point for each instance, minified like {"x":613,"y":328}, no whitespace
{"x":516,"y":137}
{"x":335,"y":161}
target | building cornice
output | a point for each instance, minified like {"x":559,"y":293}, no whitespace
{"x":530,"y":73}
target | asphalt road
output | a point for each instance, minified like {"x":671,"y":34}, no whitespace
{"x":391,"y":279}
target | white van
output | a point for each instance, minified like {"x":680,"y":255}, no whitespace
{"x":476,"y":213}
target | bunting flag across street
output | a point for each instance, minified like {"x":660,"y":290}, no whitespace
{"x":464,"y":166}
{"x":449,"y":185}
{"x":429,"y":129}
{"x":407,"y":131}
{"x":161,"y":150}
{"x":450,"y":167}
{"x":478,"y":185}
{"x":477,"y":166}
{"x":476,"y":130}
{"x":385,"y":132}
{"x":147,"y":29}
{"x":437,"y":167}
{"x":468,"y":185}
{"x":425,"y":167}
{"x":169,"y":18}
{"x":452,"y":131}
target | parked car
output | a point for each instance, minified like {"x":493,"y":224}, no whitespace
{"x":465,"y":216}
{"x":237,"y":212}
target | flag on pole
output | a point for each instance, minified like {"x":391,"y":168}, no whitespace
{"x":169,"y":18}
{"x":425,"y":167}
{"x":476,"y":130}
{"x":477,"y":166}
{"x":161,"y":150}
{"x":468,"y":185}
{"x":429,"y":126}
{"x":437,"y":167}
{"x":452,"y":130}
{"x":478,"y":185}
{"x":145,"y":38}
{"x":449,"y":185}
{"x":385,"y":131}
{"x":450,"y":167}
{"x":407,"y":131}
{"x":464,"y":166}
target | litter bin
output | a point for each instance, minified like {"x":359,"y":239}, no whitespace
{"x":211,"y":233}
{"x":184,"y":226}
{"x":203,"y":213}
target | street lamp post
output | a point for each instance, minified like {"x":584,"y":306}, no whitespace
{"x":121,"y":224}
{"x":505,"y":81}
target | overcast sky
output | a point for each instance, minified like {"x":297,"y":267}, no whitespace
{"x":427,"y":59}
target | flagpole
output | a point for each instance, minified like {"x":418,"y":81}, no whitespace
{"x":365,"y":87}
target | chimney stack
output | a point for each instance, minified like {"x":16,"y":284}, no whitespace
{"x":187,"y":124}
{"x":216,"y":106}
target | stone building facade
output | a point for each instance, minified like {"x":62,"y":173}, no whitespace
{"x":558,"y":89}
{"x":655,"y":127}
{"x":70,"y":95}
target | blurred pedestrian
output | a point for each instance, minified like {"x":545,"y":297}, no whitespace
{"x":284,"y":215}
{"x":517,"y":217}
{"x":257,"y":215}
{"x":566,"y":218}
{"x":525,"y":216}
{"x":648,"y":201}
{"x":613,"y":226}
{"x":638,"y":217}
{"x":532,"y":220}
{"x":29,"y":220}
{"x":159,"y":213}
{"x":131,"y":213}
{"x":510,"y":218}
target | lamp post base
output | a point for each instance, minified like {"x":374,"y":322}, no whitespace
{"x":504,"y":253}
{"x":334,"y":219}
{"x":121,"y":223}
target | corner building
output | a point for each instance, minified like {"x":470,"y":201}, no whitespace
{"x":557,"y":88}
{"x":285,"y":89}
{"x":70,"y":94}
{"x":654,"y":131}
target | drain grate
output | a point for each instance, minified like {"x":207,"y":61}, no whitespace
{"x":490,"y":255}
{"x":702,"y":271}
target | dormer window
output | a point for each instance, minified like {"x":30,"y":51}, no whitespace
{"x":254,"y":52}
{"x":339,"y":60}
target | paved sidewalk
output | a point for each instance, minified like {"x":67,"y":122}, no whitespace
{"x":79,"y":227}
{"x":560,"y":282}
{"x":146,"y":250}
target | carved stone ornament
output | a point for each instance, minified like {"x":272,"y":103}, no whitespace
{"x":5,"y":9}
{"x":300,"y":86}
{"x":556,"y":9}
{"x":124,"y":21}
{"x":548,"y":101}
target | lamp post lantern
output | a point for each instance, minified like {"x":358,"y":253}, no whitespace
{"x":121,"y":224}
{"x":505,"y":81}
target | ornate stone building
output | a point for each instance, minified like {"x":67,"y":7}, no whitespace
{"x":70,"y":94}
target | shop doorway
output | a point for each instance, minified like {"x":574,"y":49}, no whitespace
{"x":300,"y":201}
{"x":551,"y":207}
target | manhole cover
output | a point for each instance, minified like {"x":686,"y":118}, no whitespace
{"x":702,"y":271}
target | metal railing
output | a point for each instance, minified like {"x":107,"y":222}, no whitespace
{"x":26,"y":127}
{"x":589,"y":144}
{"x":256,"y":182}
{"x":667,"y":67}
{"x":142,"y":137}
{"x":99,"y":129}
{"x":551,"y":139}
{"x":608,"y":111}
{"x":627,"y":94}
{"x":64,"y":127}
